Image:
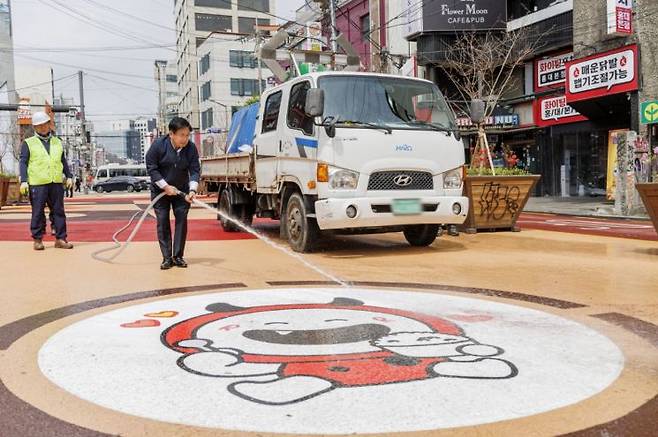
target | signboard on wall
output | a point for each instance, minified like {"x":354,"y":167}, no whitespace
{"x":494,"y":121}
{"x":611,"y":72}
{"x":24,"y":111}
{"x":551,"y":111}
{"x":620,"y":17}
{"x":551,"y":72}
{"x":451,"y":15}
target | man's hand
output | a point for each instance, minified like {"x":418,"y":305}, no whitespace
{"x":171,"y":190}
{"x":69,"y":183}
{"x":25,"y":189}
{"x":190,"y":197}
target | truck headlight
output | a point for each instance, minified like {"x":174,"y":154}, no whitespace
{"x":452,"y":180}
{"x":340,"y":179}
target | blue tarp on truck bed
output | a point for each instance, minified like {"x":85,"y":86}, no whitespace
{"x":243,"y":128}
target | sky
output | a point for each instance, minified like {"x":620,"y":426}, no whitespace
{"x":115,"y":43}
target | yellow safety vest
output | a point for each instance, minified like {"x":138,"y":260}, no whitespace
{"x":44,"y":168}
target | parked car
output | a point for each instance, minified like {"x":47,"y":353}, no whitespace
{"x":121,"y":183}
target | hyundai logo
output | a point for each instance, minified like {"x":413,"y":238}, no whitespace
{"x":403,"y":180}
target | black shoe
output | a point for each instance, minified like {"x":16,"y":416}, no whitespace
{"x":166,"y":264}
{"x":180,"y":262}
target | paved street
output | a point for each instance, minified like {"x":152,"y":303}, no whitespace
{"x":549,"y":331}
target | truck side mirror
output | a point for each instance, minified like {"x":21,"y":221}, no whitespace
{"x":315,"y":102}
{"x":477,"y":111}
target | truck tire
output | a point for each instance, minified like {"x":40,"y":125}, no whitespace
{"x":227,"y":208}
{"x":421,"y":235}
{"x":243,"y":213}
{"x":303,"y":231}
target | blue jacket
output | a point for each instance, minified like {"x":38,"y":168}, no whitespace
{"x":177,"y":168}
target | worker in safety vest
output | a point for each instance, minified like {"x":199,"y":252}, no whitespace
{"x":43,"y":167}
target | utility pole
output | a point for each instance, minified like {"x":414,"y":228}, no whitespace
{"x":83,"y":129}
{"x":260,"y":67}
{"x":332,"y":14}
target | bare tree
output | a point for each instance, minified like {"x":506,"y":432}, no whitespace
{"x":482,"y":66}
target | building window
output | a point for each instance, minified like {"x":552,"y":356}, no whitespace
{"x":213,"y":23}
{"x":172,"y":78}
{"x":205,"y":91}
{"x":207,"y":119}
{"x":204,"y":64}
{"x":254,"y":5}
{"x":297,"y":118}
{"x":248,"y":25}
{"x":221,"y":4}
{"x":245,"y":87}
{"x":271,"y":114}
{"x":365,"y":27}
{"x":242,"y":59}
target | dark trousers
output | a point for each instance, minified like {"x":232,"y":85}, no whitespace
{"x":180,"y":207}
{"x":53,"y":196}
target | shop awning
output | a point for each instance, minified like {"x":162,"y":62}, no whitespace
{"x":616,"y":107}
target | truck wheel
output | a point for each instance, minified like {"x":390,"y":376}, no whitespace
{"x":421,"y":235}
{"x":303,"y":232}
{"x":227,"y":208}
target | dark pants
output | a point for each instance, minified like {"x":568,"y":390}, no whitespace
{"x":180,"y":207}
{"x":53,"y":196}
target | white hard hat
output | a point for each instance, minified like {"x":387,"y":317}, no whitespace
{"x":39,"y":118}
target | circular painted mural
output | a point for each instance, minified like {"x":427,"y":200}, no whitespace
{"x":330,"y":361}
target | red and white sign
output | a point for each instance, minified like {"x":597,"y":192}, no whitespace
{"x":620,"y":17}
{"x":550,"y":111}
{"x":551,"y":71}
{"x":602,"y":74}
{"x":24,"y":112}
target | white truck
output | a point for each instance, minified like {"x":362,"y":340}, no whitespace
{"x":339,"y":152}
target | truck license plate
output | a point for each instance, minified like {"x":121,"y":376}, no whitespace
{"x":407,"y":207}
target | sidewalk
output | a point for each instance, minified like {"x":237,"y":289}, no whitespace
{"x":576,"y":206}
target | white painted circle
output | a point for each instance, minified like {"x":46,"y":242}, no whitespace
{"x":129,"y":369}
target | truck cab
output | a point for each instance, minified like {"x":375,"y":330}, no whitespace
{"x":345,"y":152}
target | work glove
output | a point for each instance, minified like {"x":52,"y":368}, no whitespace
{"x":69,"y":183}
{"x":25,"y":189}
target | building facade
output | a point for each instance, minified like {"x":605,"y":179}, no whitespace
{"x":147,"y":134}
{"x":228,"y":77}
{"x":8,"y":128}
{"x":195,"y":21}
{"x":563,"y":115}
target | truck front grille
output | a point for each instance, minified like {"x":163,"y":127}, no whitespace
{"x":401,"y":180}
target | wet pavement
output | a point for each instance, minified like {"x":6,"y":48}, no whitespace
{"x":550,"y":331}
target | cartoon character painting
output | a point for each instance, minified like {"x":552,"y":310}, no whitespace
{"x":289,"y":353}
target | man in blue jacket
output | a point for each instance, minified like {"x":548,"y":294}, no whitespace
{"x":174,"y":167}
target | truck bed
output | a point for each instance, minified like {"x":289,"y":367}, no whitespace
{"x":229,"y":168}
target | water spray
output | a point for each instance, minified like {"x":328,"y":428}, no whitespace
{"x":119,"y":247}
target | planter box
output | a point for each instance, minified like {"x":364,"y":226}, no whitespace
{"x":4,"y":190}
{"x":14,"y":192}
{"x":649,"y":194}
{"x":496,"y":201}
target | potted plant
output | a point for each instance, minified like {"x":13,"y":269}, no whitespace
{"x":496,"y":201}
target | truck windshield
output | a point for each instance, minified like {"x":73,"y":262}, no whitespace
{"x":394,"y":103}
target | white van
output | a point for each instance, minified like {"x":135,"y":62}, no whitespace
{"x":105,"y":172}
